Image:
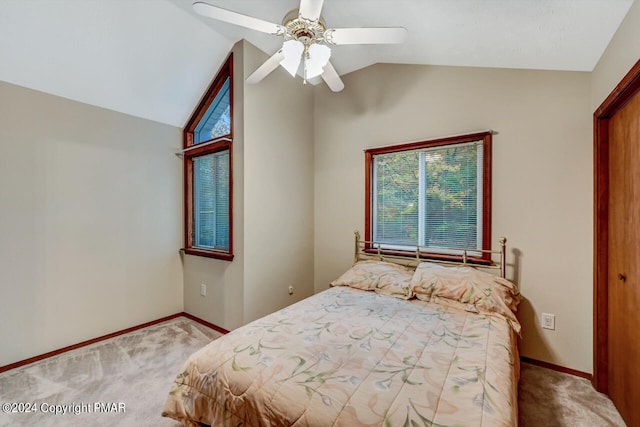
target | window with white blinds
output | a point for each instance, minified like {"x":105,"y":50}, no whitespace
{"x":431,"y":194}
{"x":211,"y":201}
{"x":208,"y":165}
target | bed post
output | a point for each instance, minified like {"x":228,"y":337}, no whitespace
{"x":503,"y":256}
{"x":356,"y":233}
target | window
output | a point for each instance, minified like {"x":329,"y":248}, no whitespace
{"x":208,"y":143}
{"x":432,"y":193}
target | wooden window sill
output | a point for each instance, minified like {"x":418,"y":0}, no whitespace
{"x":225,"y":256}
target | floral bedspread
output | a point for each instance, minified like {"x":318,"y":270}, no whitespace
{"x":347,"y":357}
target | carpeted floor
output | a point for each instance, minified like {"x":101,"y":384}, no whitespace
{"x":135,"y":369}
{"x":131,"y":375}
{"x":549,"y":398}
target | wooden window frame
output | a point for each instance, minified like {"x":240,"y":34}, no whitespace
{"x":486,"y":138}
{"x":224,"y":142}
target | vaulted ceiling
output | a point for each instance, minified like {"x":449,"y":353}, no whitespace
{"x":154,"y":58}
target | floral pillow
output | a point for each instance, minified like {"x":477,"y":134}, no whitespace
{"x":396,"y":284}
{"x":383,"y":277}
{"x":467,"y":288}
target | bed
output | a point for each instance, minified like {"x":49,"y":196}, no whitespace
{"x":388,"y":344}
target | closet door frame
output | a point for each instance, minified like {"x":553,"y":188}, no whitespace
{"x":628,"y":87}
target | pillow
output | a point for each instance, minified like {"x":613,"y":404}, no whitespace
{"x":467,"y":288}
{"x":396,"y":283}
{"x":383,"y":277}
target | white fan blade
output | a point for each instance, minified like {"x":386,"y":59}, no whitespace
{"x":366,"y":35}
{"x":311,"y":9}
{"x":331,"y":78}
{"x":215,"y":12}
{"x":265,"y":69}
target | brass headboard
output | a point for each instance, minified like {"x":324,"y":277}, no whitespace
{"x":367,"y":250}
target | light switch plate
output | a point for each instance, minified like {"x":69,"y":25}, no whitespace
{"x":549,"y":321}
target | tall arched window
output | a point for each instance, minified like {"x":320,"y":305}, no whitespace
{"x":208,"y":149}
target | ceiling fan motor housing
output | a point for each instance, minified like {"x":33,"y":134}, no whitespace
{"x":304,"y":30}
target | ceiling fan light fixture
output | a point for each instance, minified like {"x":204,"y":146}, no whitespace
{"x":292,"y":50}
{"x":316,"y":59}
{"x":307,"y":40}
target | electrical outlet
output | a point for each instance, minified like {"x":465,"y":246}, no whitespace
{"x":203,"y":289}
{"x":549,"y":321}
{"x":290,"y":290}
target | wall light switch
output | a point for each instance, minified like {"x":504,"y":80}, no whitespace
{"x":203,"y":290}
{"x":549,"y":321}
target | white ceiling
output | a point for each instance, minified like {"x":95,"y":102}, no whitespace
{"x":154,"y":58}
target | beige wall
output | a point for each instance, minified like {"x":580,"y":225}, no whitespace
{"x":278,"y":189}
{"x":542,"y":178}
{"x":90,"y":222}
{"x":619,"y":57}
{"x":273,"y":203}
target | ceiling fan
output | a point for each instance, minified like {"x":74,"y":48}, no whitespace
{"x":307,"y":40}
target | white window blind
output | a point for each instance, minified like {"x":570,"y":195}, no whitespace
{"x":429,"y":197}
{"x":211,"y":201}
